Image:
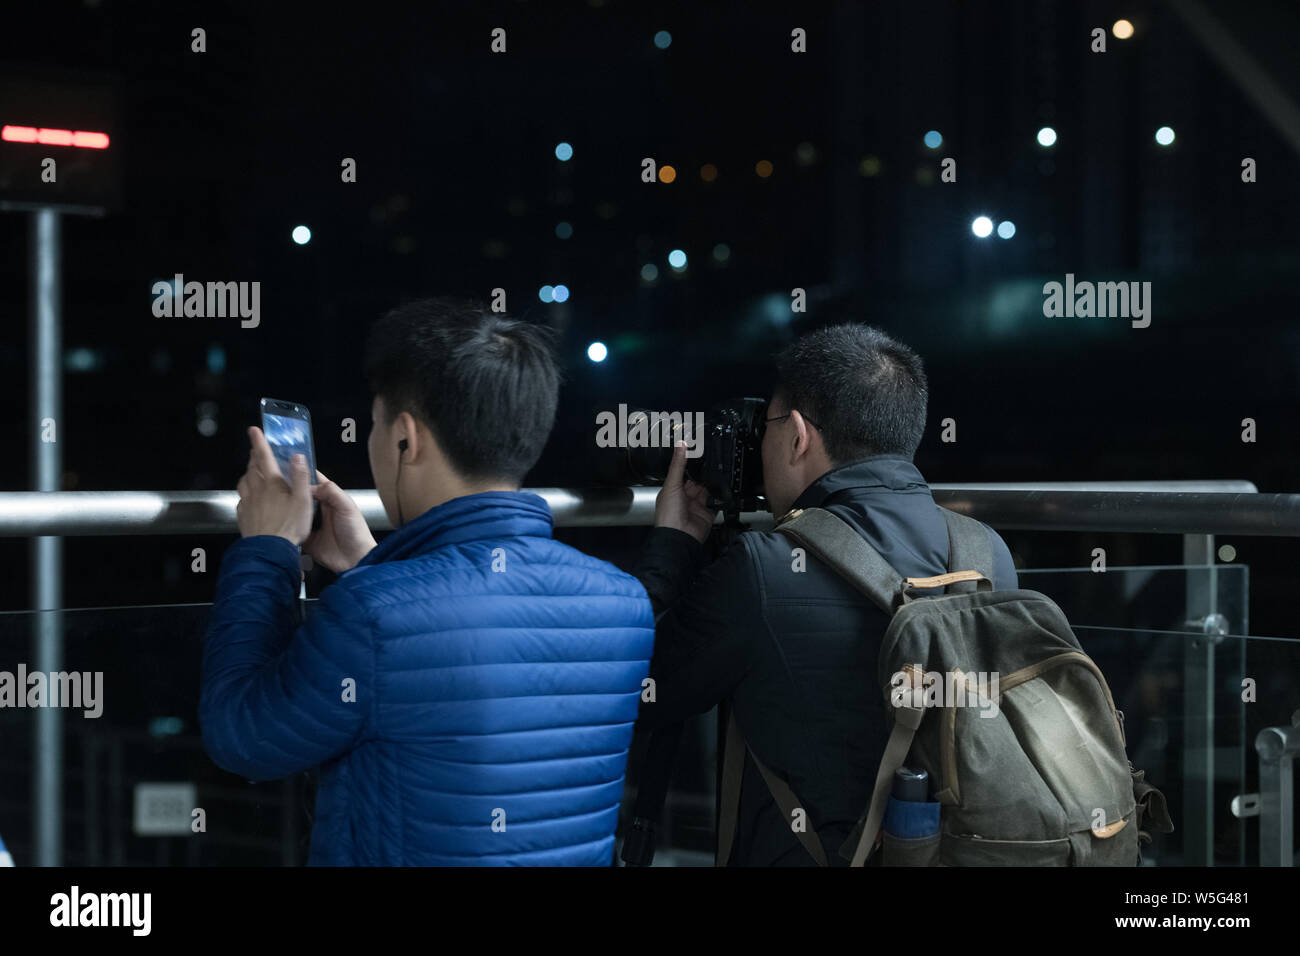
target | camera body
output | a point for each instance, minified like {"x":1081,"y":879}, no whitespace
{"x":730,"y":461}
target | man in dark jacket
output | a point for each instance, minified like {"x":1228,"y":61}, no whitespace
{"x":469,"y":686}
{"x":787,"y":641}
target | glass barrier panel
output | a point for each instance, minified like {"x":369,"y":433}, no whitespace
{"x":133,"y":764}
{"x":135,"y":772}
{"x":1170,"y":598}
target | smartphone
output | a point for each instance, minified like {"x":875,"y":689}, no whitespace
{"x":287,"y":426}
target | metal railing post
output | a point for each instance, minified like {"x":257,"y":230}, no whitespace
{"x":1277,"y":747}
{"x":45,"y":291}
{"x":1198,"y":704}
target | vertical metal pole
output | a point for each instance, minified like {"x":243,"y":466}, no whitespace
{"x":1276,"y":747}
{"x":46,"y":342}
{"x":1198,"y":705}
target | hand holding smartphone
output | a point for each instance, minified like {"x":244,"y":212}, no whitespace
{"x":287,"y":426}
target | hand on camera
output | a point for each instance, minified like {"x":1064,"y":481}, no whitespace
{"x":343,"y":538}
{"x":682,"y":503}
{"x":267,"y":505}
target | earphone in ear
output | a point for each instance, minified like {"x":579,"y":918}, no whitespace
{"x":401,"y":457}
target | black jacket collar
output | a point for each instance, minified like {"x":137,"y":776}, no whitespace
{"x":883,"y":472}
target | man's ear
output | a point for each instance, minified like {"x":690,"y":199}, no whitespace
{"x":800,"y":437}
{"x":405,"y":428}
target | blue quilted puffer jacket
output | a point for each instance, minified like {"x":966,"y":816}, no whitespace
{"x":468,"y":689}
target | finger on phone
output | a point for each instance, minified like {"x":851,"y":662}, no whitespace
{"x":301,"y":473}
{"x":331,"y":495}
{"x":320,"y":490}
{"x":261,"y":452}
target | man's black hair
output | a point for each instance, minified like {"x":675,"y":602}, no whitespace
{"x":866,"y":391}
{"x":485,"y":384}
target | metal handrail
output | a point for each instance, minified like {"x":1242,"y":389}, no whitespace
{"x":1196,"y":510}
{"x":1227,"y":507}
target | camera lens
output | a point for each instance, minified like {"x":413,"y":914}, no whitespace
{"x":649,"y":465}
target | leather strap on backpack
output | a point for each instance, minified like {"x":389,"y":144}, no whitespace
{"x":970,"y":548}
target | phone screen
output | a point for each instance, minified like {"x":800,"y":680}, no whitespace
{"x":287,"y":426}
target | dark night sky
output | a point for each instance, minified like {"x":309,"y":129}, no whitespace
{"x":459,"y":191}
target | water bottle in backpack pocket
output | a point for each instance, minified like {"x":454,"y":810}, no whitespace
{"x":911,"y":827}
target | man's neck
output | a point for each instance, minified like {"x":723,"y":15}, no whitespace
{"x":427,"y":498}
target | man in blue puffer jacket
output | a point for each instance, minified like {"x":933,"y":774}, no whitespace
{"x":469,"y":686}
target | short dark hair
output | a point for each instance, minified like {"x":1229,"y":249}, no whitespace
{"x":867,"y":392}
{"x":485,"y":384}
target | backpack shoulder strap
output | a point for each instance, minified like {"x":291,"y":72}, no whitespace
{"x":970,"y":548}
{"x":862,"y":840}
{"x":837,"y":543}
{"x":733,"y":764}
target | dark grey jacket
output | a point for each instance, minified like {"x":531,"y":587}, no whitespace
{"x":795,"y":652}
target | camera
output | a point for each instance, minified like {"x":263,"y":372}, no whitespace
{"x":729,"y":460}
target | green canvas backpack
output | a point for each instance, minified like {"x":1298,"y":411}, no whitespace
{"x":993,"y":696}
